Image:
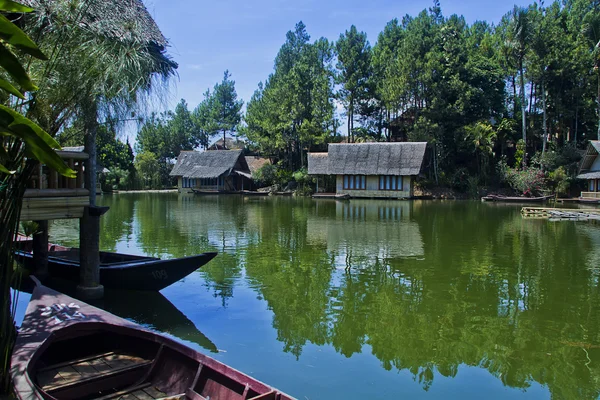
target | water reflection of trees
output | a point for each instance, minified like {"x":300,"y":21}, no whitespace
{"x":423,"y":286}
{"x":489,"y":290}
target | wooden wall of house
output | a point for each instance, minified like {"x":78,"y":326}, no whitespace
{"x":372,"y":188}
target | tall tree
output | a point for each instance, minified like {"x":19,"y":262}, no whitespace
{"x":225,"y":107}
{"x":204,"y":125}
{"x":519,"y":36}
{"x":294,"y":110}
{"x":354,"y":66}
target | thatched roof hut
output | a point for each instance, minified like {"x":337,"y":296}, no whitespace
{"x":255,"y":163}
{"x":589,"y":168}
{"x":209,"y":164}
{"x":402,"y":159}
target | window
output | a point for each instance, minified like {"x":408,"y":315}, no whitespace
{"x":390,"y":182}
{"x":355,"y":182}
{"x":592,"y":185}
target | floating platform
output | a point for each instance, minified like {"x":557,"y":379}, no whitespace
{"x":558,"y":214}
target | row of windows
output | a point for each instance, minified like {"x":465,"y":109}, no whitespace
{"x":356,"y":182}
{"x":390,"y":182}
{"x":196,"y":182}
{"x":386,"y":182}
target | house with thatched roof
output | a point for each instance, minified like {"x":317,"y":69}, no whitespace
{"x":382,"y":170}
{"x":220,"y":170}
{"x":589,"y":169}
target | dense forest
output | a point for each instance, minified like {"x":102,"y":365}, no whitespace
{"x":499,"y":105}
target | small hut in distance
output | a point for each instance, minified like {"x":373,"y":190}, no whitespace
{"x":220,"y":170}
{"x":589,"y":170}
{"x":378,"y":170}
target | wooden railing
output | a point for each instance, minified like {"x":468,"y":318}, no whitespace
{"x":46,"y":182}
{"x":591,"y":195}
{"x":50,"y":195}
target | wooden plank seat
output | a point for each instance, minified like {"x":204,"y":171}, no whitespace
{"x":94,"y":373}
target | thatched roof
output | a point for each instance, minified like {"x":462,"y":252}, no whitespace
{"x":588,"y":159}
{"x":126,"y":20}
{"x":255,"y":163}
{"x":230,"y":144}
{"x":369,"y":159}
{"x":318,"y":163}
{"x":206,"y":164}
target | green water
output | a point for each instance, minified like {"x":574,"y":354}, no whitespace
{"x":369,"y":299}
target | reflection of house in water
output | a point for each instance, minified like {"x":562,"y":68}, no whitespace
{"x":593,"y":253}
{"x":370,"y":229}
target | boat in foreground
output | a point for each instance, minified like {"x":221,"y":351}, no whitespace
{"x":67,"y":349}
{"x":507,"y":199}
{"x":122,"y":271}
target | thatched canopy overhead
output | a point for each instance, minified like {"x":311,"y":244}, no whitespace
{"x":588,"y":160}
{"x":208,"y":164}
{"x":126,"y":20}
{"x":255,"y":163}
{"x":369,"y":159}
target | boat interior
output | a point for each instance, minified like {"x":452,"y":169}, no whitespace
{"x":106,"y":365}
{"x":106,"y":258}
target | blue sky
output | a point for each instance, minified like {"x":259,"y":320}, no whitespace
{"x":208,"y":37}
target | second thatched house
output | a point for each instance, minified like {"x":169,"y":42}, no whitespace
{"x":589,"y":169}
{"x":383,"y":170}
{"x":219,"y":170}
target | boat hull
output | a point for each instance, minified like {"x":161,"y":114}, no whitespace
{"x":134,"y":273}
{"x":67,"y":349}
{"x":517,"y":199}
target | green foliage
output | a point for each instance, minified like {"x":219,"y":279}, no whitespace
{"x":266,"y":175}
{"x":30,"y":228}
{"x":148,"y":166}
{"x":520,"y":153}
{"x":528,"y":181}
{"x":293,"y":111}
{"x":225,"y":108}
{"x":354,"y":66}
{"x":559,"y":181}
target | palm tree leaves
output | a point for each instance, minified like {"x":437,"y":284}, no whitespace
{"x":11,"y":6}
{"x":38,"y":143}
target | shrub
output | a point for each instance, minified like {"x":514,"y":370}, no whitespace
{"x":266,"y":175}
{"x":530,"y":181}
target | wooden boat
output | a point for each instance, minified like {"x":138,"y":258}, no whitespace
{"x":337,"y":196}
{"x":254,"y":193}
{"x":122,"y":271}
{"x":211,"y":192}
{"x":67,"y":349}
{"x":507,"y":199}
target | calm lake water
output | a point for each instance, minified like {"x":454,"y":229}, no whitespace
{"x":369,"y":299}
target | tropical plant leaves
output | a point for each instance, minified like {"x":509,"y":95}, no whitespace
{"x":11,"y":64}
{"x":4,"y":84}
{"x":11,"y":6}
{"x":5,"y":170}
{"x":14,"y":36}
{"x":39,"y":143}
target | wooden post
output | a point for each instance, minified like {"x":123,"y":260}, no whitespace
{"x":89,"y":232}
{"x":40,"y":251}
{"x":72,"y":182}
{"x":80,"y":180}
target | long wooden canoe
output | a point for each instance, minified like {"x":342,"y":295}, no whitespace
{"x":67,"y":349}
{"x":507,"y":199}
{"x":123,"y":271}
